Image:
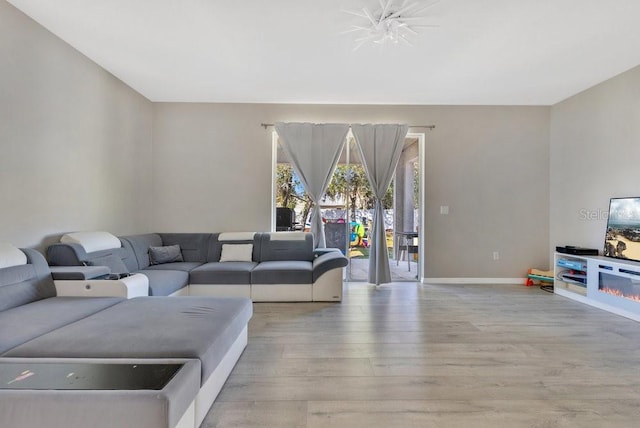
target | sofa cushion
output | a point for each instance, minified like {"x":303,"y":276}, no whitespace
{"x":11,"y":256}
{"x":92,"y":241}
{"x":236,"y":253}
{"x":150,"y":327}
{"x":194,"y":246}
{"x":165,"y":254}
{"x":327,"y":259}
{"x":284,"y":246}
{"x":215,"y":244}
{"x":183,"y":266}
{"x":16,"y":286}
{"x":283,"y":272}
{"x":28,"y":283}
{"x":140,"y":244}
{"x":26,"y":322}
{"x":113,"y":262}
{"x":16,"y":274}
{"x":67,"y":255}
{"x":223,"y":273}
{"x":164,"y":282}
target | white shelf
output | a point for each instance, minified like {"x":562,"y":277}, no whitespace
{"x":614,"y":272}
{"x":568,"y":288}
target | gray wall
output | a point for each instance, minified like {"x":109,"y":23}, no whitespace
{"x":77,"y":155}
{"x":75,"y":142}
{"x":490,"y":165}
{"x":595,"y":153}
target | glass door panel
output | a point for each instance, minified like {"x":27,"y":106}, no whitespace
{"x":347,"y":210}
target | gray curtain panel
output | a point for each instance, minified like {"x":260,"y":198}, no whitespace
{"x":380,"y":147}
{"x":314,"y":150}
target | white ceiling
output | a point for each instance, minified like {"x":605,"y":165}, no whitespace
{"x":511,"y":52}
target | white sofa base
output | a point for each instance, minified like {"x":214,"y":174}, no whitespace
{"x":281,"y":292}
{"x":188,"y":420}
{"x":220,"y":290}
{"x":328,"y":288}
{"x":129,"y":287}
{"x":212,"y":386}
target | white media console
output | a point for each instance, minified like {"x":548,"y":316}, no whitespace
{"x":610,"y":284}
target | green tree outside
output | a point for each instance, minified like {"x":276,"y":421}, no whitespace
{"x":349,"y":182}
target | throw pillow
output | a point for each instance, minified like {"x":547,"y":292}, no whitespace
{"x":114,"y":263}
{"x":167,"y":254}
{"x":236,"y":253}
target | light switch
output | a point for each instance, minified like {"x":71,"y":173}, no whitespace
{"x":444,"y":209}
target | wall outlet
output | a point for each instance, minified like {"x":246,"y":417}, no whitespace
{"x":496,"y":255}
{"x":444,"y":209}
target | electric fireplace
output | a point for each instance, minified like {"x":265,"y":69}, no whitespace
{"x":628,"y":288}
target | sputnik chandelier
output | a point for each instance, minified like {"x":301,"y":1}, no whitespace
{"x":393,"y":21}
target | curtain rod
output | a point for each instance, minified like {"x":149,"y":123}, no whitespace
{"x":430,"y":127}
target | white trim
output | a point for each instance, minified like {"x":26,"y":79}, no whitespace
{"x":473,"y":280}
{"x":274,"y":165}
{"x":422,"y":197}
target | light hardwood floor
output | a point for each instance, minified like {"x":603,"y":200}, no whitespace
{"x":411,"y":355}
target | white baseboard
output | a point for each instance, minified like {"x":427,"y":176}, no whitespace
{"x":473,"y":280}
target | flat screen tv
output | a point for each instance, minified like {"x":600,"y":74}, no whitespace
{"x":622,"y":240}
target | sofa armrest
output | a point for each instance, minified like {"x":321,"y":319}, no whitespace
{"x":66,"y":255}
{"x":326,"y":259}
{"x":38,"y":261}
{"x":321,"y":251}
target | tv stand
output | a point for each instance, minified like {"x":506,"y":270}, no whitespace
{"x":609,"y":284}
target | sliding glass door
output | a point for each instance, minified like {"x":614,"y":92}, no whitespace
{"x":347,"y":209}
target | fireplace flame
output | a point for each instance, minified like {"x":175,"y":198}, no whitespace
{"x":618,"y":293}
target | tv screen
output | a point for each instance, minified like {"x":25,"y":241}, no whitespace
{"x":622,"y":240}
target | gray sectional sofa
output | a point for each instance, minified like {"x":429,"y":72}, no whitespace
{"x":207,"y":334}
{"x":280,"y":266}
